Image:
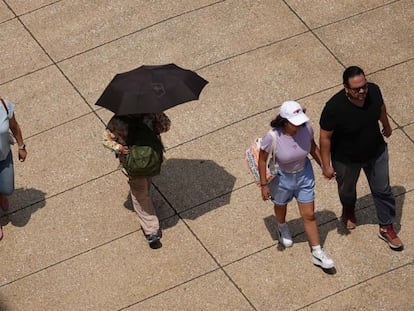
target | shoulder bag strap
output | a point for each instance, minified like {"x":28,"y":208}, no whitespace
{"x":5,"y":106}
{"x":272,"y":132}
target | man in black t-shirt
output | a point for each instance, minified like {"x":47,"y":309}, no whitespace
{"x":350,"y":138}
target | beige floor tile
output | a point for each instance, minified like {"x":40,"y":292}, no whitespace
{"x":281,"y":278}
{"x":410,"y":131}
{"x":399,"y":101}
{"x":64,"y":157}
{"x":113,"y":276}
{"x":20,"y":53}
{"x":207,"y":36}
{"x":371,"y":293}
{"x":322,"y":12}
{"x":211,"y":292}
{"x":80,"y":219}
{"x":401,"y":161}
{"x":55,"y":98}
{"x":374,"y":295}
{"x":276,"y":73}
{"x":23,"y":6}
{"x":86,"y":24}
{"x":5,"y":13}
{"x":361,"y":39}
{"x":245,"y":225}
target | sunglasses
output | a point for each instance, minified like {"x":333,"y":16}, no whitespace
{"x":358,"y":89}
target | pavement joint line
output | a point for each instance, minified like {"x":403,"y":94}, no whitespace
{"x":140,"y":30}
{"x":31,"y":11}
{"x":170,"y":288}
{"x":58,"y":193}
{"x":68,"y":259}
{"x":356,"y":284}
{"x":354,"y":15}
{"x":207,"y":250}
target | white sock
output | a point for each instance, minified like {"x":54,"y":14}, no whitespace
{"x":316,"y":248}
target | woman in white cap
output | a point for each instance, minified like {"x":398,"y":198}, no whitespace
{"x":295,"y":178}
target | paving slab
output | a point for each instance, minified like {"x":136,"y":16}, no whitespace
{"x":81,"y":219}
{"x":399,"y":101}
{"x":322,"y":12}
{"x":112,"y":276}
{"x":206,"y":36}
{"x":275,"y":73}
{"x":86,"y":24}
{"x":255,"y":54}
{"x":372,"y":296}
{"x":5,"y":13}
{"x":65,"y":157}
{"x":281,"y":278}
{"x":21,"y":7}
{"x":54,"y":97}
{"x":360,"y":40}
{"x":20,"y":53}
{"x":213,"y":291}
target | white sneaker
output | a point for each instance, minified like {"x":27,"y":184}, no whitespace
{"x":319,"y":258}
{"x":284,"y":235}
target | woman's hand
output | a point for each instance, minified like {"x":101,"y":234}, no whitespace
{"x":123,"y":149}
{"x":265,"y":193}
{"x":328,"y":172}
{"x":22,"y":155}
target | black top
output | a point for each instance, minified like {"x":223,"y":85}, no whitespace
{"x":356,"y":133}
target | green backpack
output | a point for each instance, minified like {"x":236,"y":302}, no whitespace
{"x":145,"y":154}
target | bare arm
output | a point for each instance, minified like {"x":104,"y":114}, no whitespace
{"x":325,"y":145}
{"x":262,"y":172}
{"x":17,"y":133}
{"x":386,"y":127}
{"x":315,"y":152}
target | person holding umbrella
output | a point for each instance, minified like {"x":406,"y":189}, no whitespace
{"x":115,"y":138}
{"x":138,"y":99}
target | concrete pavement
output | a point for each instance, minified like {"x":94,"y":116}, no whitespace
{"x":71,"y":241}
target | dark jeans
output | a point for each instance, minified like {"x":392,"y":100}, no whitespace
{"x":377,"y":173}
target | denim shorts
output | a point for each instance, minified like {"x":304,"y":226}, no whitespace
{"x":7,"y":175}
{"x":286,"y":186}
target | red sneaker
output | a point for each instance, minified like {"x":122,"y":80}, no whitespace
{"x":388,"y":235}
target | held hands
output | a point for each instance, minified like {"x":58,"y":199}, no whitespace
{"x":328,"y":172}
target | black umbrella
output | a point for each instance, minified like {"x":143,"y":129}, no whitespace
{"x":149,"y":89}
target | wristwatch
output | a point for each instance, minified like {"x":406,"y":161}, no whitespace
{"x":22,"y":147}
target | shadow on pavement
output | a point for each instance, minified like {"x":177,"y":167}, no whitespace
{"x":23,"y":203}
{"x":366,"y":213}
{"x":186,"y":184}
{"x":328,"y":220}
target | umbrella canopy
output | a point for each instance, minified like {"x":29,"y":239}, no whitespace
{"x":151,"y":89}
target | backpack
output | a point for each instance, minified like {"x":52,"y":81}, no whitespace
{"x":145,"y":154}
{"x":252,"y":159}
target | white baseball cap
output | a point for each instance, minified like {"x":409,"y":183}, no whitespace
{"x":293,"y":112}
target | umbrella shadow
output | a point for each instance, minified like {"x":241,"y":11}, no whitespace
{"x":327,"y":221}
{"x":23,"y":203}
{"x":365,"y":211}
{"x":186,"y":185}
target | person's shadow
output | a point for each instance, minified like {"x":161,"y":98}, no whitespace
{"x":23,"y":203}
{"x":327,"y":220}
{"x":186,"y":185}
{"x":366,"y":213}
